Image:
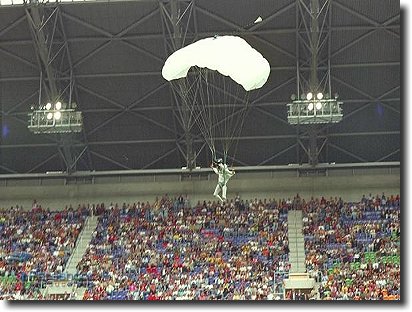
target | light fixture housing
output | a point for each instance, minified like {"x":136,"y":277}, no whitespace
{"x":57,"y":115}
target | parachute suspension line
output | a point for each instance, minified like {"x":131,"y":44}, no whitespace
{"x":237,"y":130}
{"x":204,"y":110}
{"x":237,"y":117}
{"x":206,"y":66}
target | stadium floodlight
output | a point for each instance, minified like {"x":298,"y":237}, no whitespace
{"x":55,"y":119}
{"x":318,"y":109}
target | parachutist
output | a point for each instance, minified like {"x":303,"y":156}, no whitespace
{"x":224,"y":174}
{"x":235,"y":67}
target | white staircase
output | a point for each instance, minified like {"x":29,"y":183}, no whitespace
{"x":296,"y":242}
{"x":83,"y":241}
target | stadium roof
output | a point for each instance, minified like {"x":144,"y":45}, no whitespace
{"x":116,"y":50}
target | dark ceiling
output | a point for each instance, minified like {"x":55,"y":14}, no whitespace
{"x":116,"y":51}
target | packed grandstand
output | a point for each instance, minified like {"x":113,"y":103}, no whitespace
{"x":172,"y":249}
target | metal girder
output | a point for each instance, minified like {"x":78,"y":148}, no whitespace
{"x":73,"y":85}
{"x":175,"y":30}
{"x":46,"y":25}
{"x":126,"y":109}
{"x":234,"y":159}
{"x":376,"y":26}
{"x":260,"y":104}
{"x":110,"y":36}
{"x":200,"y":140}
{"x":18,"y":58}
{"x":313,"y":33}
{"x":390,"y":103}
{"x":14,"y":107}
{"x":110,"y":160}
{"x":370,"y":99}
{"x":272,"y":16}
{"x":347,"y":152}
{"x":277,"y":154}
{"x":12,"y":25}
{"x":285,"y":83}
{"x":277,"y":118}
{"x":157,"y":73}
{"x":160,"y":158}
{"x":389,"y":155}
{"x":243,"y":30}
{"x":7,"y":169}
{"x":366,"y":18}
{"x":276,"y":31}
{"x":37,"y":21}
{"x":42,"y":162}
{"x":118,"y":173}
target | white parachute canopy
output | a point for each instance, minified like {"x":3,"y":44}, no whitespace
{"x":229,"y":55}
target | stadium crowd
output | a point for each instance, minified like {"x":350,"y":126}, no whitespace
{"x":353,"y":249}
{"x":172,"y":250}
{"x":34,"y":247}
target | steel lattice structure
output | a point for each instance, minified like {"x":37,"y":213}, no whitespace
{"x":110,"y":54}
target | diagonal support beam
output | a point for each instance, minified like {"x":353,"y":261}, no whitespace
{"x":277,"y":154}
{"x":111,"y":37}
{"x":15,"y":107}
{"x":237,"y":27}
{"x":160,"y":158}
{"x":277,"y":118}
{"x":347,"y":152}
{"x":389,"y":155}
{"x":128,"y":109}
{"x":75,"y":88}
{"x":43,"y":162}
{"x":7,"y":169}
{"x":13,"y":24}
{"x":273,"y":16}
{"x":110,"y":160}
{"x":19,"y":58}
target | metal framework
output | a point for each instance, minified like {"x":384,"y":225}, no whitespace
{"x":313,"y":23}
{"x":177,"y":17}
{"x":45,"y":23}
{"x":84,"y":48}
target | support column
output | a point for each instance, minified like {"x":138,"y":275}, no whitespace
{"x":177,"y":17}
{"x":53,"y":57}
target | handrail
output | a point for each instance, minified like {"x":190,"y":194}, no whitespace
{"x":78,"y":241}
{"x":290,"y":167}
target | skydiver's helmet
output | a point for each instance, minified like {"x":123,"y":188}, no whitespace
{"x":219,"y":161}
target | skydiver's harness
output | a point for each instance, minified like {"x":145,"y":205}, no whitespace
{"x":225,"y":175}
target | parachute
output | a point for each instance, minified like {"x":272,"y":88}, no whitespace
{"x":214,"y":78}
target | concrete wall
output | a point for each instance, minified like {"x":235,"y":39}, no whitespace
{"x":56,"y":193}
